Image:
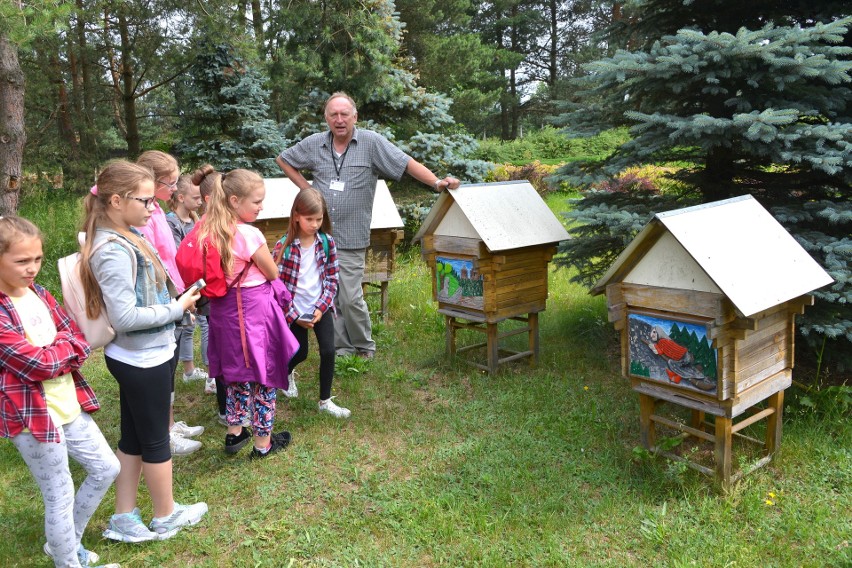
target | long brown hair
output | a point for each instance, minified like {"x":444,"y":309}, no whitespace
{"x":308,"y":201}
{"x":184,"y":186}
{"x":220,"y":220}
{"x":122,"y":178}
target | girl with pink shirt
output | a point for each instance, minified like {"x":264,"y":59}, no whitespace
{"x":250,"y":343}
{"x":158,"y":233}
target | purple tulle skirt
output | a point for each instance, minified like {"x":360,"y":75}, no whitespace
{"x":269,"y":342}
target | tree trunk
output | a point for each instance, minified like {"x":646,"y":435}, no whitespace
{"x":87,"y":128}
{"x":63,"y":111}
{"x":257,"y":24}
{"x":553,"y":48}
{"x":12,"y":133}
{"x":128,"y":97}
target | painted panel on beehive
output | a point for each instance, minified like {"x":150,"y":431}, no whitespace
{"x":459,"y":282}
{"x":667,"y":264}
{"x":674,"y":351}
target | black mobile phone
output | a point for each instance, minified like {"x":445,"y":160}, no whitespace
{"x":199,"y":284}
{"x":307,"y":317}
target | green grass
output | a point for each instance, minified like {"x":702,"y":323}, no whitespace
{"x":444,"y":465}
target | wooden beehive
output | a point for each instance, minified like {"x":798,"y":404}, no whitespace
{"x":385,"y":231}
{"x":705,"y":299}
{"x":488,"y":246}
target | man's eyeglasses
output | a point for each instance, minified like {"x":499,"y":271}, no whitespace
{"x":146,"y":201}
{"x":172,"y":185}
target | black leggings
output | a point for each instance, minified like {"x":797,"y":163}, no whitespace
{"x":144,"y":400}
{"x":324,"y":332}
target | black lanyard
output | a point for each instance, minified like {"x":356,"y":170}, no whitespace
{"x":337,"y":168}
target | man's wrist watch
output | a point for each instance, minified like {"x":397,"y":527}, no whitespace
{"x":435,"y":185}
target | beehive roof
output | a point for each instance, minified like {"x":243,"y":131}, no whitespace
{"x":740,"y":246}
{"x":505,"y":215}
{"x":280,"y":193}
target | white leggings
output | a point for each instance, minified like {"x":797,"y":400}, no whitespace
{"x":66,"y":515}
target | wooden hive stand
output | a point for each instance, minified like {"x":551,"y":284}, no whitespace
{"x":721,"y":433}
{"x":456,"y":320}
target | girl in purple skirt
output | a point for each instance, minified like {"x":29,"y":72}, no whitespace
{"x":250,"y":343}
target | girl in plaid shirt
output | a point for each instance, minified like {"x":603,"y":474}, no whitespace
{"x":45,"y":403}
{"x":313,"y":284}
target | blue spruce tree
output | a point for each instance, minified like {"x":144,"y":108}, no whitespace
{"x":226,"y":114}
{"x":755,"y":97}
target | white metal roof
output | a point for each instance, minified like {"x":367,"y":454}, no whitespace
{"x":753,"y":260}
{"x":280,"y":193}
{"x":505,"y":215}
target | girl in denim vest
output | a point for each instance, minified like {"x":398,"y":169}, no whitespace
{"x":143,"y":314}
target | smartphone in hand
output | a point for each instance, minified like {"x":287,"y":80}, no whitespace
{"x":199,"y":284}
{"x":307,"y":317}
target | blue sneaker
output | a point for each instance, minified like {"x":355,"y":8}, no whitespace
{"x":128,"y":527}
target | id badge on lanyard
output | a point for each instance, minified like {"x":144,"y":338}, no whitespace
{"x":338,"y":185}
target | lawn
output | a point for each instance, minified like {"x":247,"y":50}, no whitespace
{"x":442,"y":465}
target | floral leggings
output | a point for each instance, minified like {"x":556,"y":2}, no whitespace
{"x":251,"y":399}
{"x":66,"y":514}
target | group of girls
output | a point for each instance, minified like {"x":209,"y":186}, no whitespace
{"x":258,"y":333}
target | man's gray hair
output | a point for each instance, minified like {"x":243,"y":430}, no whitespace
{"x":339,"y":95}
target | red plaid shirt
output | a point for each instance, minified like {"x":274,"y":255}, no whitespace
{"x":288,"y":271}
{"x":23,"y":366}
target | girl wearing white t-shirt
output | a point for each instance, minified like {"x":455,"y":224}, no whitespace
{"x":313,"y":284}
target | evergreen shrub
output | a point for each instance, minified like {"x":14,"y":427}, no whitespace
{"x":538,"y":174}
{"x":413,"y":215}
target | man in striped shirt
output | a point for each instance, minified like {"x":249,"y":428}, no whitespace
{"x":346,"y":163}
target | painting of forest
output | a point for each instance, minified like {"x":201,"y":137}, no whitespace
{"x":671,"y":351}
{"x":458,"y":282}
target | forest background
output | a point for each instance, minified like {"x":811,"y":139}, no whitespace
{"x":694,"y":102}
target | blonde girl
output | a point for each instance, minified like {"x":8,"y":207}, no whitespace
{"x":45,"y":403}
{"x":143,"y":314}
{"x":184,"y":204}
{"x":250,"y":342}
{"x":157,"y":231}
{"x":307,"y":263}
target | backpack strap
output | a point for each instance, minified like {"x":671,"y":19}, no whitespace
{"x":323,"y":240}
{"x":238,"y":281}
{"x":126,"y":245}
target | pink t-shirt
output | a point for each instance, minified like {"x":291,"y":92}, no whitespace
{"x":247,"y":240}
{"x":159,"y":234}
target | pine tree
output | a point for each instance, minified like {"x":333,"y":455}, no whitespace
{"x":756,"y":98}
{"x":227,"y":115}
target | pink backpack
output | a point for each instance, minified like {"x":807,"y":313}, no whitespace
{"x":98,"y":331}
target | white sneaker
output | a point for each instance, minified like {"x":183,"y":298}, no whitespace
{"x":86,"y":557}
{"x":197,"y":374}
{"x":292,"y":390}
{"x":182,"y":516}
{"x":181,"y":446}
{"x":331,"y":408}
{"x":210,"y":385}
{"x":182,"y":429}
